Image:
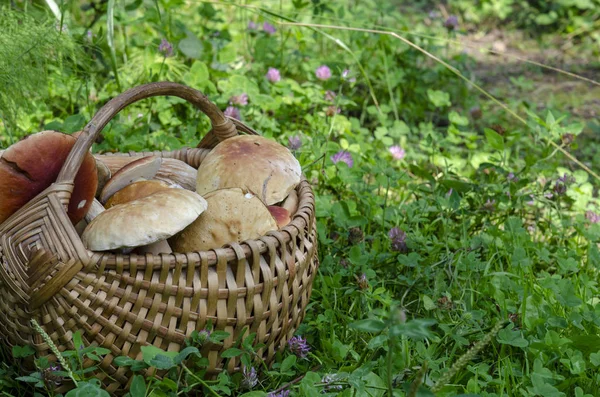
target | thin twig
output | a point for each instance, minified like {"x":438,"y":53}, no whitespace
{"x":298,"y":379}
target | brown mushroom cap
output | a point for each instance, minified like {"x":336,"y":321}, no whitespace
{"x":33,"y":164}
{"x":280,"y":214}
{"x":144,"y":168}
{"x":171,"y":170}
{"x":136,"y":191}
{"x":232,"y":216}
{"x":253,"y":163}
{"x":144,"y":221}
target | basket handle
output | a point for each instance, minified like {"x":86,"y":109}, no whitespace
{"x":222,"y":127}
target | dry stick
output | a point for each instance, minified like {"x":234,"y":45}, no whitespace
{"x":508,"y":55}
{"x":298,"y":379}
{"x":453,"y":70}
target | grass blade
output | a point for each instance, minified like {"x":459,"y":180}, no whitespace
{"x":110,"y":36}
{"x":55,"y":9}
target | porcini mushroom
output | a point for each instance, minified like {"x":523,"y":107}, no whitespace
{"x":144,"y":168}
{"x":280,"y":214}
{"x":33,"y":164}
{"x":135,"y":191}
{"x":232,"y":216}
{"x":291,"y":202}
{"x":253,"y":163}
{"x":171,"y":170}
{"x":144,"y":221}
{"x":104,"y":176}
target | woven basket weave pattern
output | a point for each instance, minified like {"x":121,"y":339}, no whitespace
{"x":123,"y":302}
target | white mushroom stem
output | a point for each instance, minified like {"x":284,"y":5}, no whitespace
{"x":159,"y":247}
{"x":291,"y":202}
{"x":96,"y":209}
{"x":1,"y":153}
{"x":104,"y":176}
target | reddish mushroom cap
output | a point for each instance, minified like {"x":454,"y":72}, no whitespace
{"x":33,"y":164}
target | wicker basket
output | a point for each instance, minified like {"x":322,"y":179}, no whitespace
{"x":123,"y":302}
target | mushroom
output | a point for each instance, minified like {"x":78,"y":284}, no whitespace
{"x":136,"y":191}
{"x":144,"y":168}
{"x":280,"y":214}
{"x":232,"y":216}
{"x":33,"y":164}
{"x":291,"y":202}
{"x":178,"y":172}
{"x":253,"y":163}
{"x":95,"y":209}
{"x":171,"y":170}
{"x":144,"y":221}
{"x":104,"y":176}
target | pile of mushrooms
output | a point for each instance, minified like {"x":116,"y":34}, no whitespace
{"x":244,"y":188}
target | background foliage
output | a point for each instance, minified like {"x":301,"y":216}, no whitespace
{"x":458,"y":242}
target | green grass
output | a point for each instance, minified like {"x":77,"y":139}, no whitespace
{"x":489,"y":286}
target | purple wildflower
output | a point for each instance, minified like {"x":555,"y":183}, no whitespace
{"x":511,"y":177}
{"x":530,"y":202}
{"x":398,"y":238}
{"x":323,"y":72}
{"x":344,"y":157}
{"x":451,"y":23}
{"x":250,"y":378}
{"x":490,"y":205}
{"x":567,"y":139}
{"x":283,"y":393}
{"x":449,"y":192}
{"x":397,"y":152}
{"x":233,"y":112}
{"x":298,"y":346}
{"x":270,"y":29}
{"x":333,"y":110}
{"x":294,"y":142}
{"x":90,"y":35}
{"x":252,"y":25}
{"x":165,"y":48}
{"x":241,"y":99}
{"x":273,"y":75}
{"x":346,"y":76}
{"x":560,"y":187}
{"x":202,"y":336}
{"x":330,"y":96}
{"x":592,"y":216}
{"x":433,"y":14}
{"x":476,"y":112}
{"x":363,"y":282}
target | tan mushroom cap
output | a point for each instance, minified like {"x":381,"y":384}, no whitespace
{"x":253,"y":163}
{"x":135,"y":191}
{"x":232,"y":216}
{"x":144,"y":221}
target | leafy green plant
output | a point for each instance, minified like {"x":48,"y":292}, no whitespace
{"x":457,"y":231}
